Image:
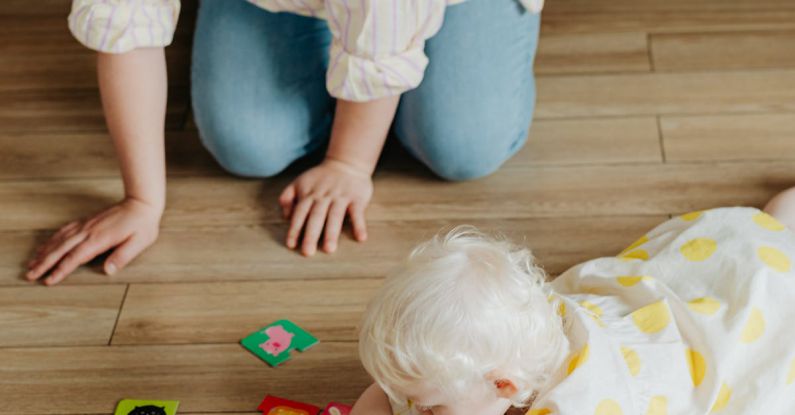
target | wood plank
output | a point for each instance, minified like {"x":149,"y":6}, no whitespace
{"x":45,"y":8}
{"x":723,"y":50}
{"x":91,"y":154}
{"x":729,"y":137}
{"x":204,"y":378}
{"x":647,"y":189}
{"x":592,"y":53}
{"x":584,"y":141}
{"x":227,"y":312}
{"x":657,"y":16}
{"x":39,"y":52}
{"x":64,"y":316}
{"x":64,"y":110}
{"x":254,"y":253}
{"x":666,"y":93}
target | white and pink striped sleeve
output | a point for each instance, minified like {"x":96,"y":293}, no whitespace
{"x":378,"y":46}
{"x":118,"y":26}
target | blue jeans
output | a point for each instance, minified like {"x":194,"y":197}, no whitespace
{"x":260,"y":99}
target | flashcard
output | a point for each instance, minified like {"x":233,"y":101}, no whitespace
{"x":272,"y":405}
{"x":274,"y":343}
{"x":335,"y":408}
{"x":141,"y":407}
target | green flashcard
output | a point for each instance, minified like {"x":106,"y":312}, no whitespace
{"x":140,"y":407}
{"x":274,"y":343}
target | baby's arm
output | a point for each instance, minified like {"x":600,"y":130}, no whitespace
{"x":372,"y":402}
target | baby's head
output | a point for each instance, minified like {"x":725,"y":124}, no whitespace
{"x":464,"y":326}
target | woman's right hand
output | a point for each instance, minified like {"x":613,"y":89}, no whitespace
{"x":127,"y":228}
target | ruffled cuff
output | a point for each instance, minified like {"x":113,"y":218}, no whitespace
{"x":356,"y":78}
{"x":123,"y":25}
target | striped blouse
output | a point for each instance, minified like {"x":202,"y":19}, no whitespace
{"x":377,"y":48}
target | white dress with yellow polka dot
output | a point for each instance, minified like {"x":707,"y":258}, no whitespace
{"x":696,"y":317}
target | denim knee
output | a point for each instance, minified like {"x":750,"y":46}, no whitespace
{"x":456,"y":154}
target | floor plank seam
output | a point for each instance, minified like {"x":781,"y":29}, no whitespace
{"x":118,"y":315}
{"x":649,"y":52}
{"x":661,"y":138}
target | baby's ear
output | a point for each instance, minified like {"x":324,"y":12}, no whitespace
{"x":505,"y":387}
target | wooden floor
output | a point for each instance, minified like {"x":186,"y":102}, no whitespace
{"x":647,"y":108}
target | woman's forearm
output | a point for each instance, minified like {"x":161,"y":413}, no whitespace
{"x":360,"y":130}
{"x":134,"y":89}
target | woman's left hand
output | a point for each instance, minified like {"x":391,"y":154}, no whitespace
{"x":318,"y":201}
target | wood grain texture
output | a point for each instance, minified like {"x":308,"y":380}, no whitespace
{"x":592,"y":53}
{"x":91,"y":155}
{"x":204,"y":378}
{"x":65,"y":316}
{"x":255,"y":253}
{"x":39,"y":52}
{"x":666,"y":16}
{"x":666,"y":93}
{"x":647,"y":189}
{"x":70,"y":110}
{"x":26,"y":155}
{"x":590,"y":141}
{"x":723,"y":50}
{"x":227,"y":312}
{"x":729,"y":137}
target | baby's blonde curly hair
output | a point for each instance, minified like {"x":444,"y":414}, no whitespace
{"x":462,"y":306}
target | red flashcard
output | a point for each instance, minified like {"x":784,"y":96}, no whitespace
{"x":278,"y":406}
{"x":335,"y":408}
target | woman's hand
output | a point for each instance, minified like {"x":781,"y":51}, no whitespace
{"x":128,"y":228}
{"x":318,"y":200}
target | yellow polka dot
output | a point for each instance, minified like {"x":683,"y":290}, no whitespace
{"x":791,"y":375}
{"x":768,"y":222}
{"x":539,"y":411}
{"x":579,"y":359}
{"x":754,"y":327}
{"x":691,"y":216}
{"x":697,"y":365}
{"x":594,"y":312}
{"x":722,"y":400}
{"x":698,"y":249}
{"x":630,"y":280}
{"x":593,"y":308}
{"x":636,"y":254}
{"x":562,"y":309}
{"x":774,"y":258}
{"x":608,"y":407}
{"x":642,"y":240}
{"x":652,"y":318}
{"x":704,"y":305}
{"x":632,"y":359}
{"x":658,"y":405}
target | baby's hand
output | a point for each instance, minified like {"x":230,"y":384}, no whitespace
{"x":318,"y":201}
{"x":782,"y":207}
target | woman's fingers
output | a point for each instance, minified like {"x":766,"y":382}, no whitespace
{"x":287,"y":200}
{"x":314,"y":227}
{"x":124,"y":253}
{"x":297,"y":220}
{"x":356,"y":213}
{"x":81,"y":254}
{"x":55,"y":240}
{"x":334,"y":221}
{"x":54,"y":255}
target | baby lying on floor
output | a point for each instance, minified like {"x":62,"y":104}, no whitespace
{"x":696,"y":317}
